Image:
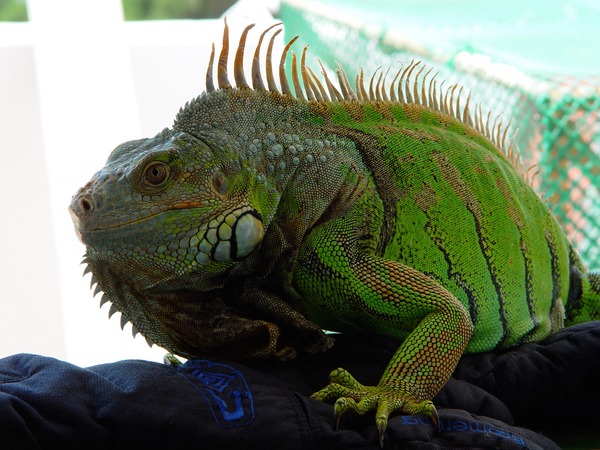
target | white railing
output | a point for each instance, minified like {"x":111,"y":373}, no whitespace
{"x":75,"y":82}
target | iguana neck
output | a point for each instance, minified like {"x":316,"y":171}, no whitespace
{"x":265,"y":134}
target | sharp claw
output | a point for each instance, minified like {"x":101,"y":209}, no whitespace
{"x":436,"y":419}
{"x":381,"y":435}
{"x":381,"y":420}
{"x":337,"y":414}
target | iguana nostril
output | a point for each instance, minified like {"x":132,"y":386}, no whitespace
{"x":86,"y":205}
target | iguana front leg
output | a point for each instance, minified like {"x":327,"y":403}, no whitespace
{"x":386,"y":297}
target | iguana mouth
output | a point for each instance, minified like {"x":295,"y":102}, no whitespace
{"x":82,"y":222}
{"x":187,"y":205}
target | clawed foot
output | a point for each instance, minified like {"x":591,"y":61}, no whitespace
{"x":350,"y":395}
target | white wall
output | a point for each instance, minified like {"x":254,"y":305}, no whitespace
{"x":30,"y":315}
{"x":74,"y":83}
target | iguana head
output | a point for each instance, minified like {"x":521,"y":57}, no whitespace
{"x":168,"y":206}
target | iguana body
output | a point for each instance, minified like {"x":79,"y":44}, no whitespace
{"x":262,"y":218}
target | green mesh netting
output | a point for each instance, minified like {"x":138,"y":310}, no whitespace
{"x":535,"y":63}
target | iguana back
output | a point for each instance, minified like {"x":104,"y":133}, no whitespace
{"x":264,"y":216}
{"x":451,"y":205}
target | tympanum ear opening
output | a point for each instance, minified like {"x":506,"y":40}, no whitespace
{"x":248,"y":233}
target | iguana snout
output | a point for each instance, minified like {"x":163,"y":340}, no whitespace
{"x":85,"y":202}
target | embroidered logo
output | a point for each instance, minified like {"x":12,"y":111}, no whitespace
{"x":223,"y":388}
{"x":469,"y":426}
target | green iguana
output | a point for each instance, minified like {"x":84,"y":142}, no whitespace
{"x":264,"y":216}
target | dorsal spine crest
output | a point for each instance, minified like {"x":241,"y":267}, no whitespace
{"x":414,"y":84}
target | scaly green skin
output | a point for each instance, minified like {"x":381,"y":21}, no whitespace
{"x":260,"y":219}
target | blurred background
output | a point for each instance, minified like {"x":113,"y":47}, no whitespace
{"x":78,"y":77}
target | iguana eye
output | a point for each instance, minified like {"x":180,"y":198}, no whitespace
{"x":156,"y":173}
{"x":219,"y":181}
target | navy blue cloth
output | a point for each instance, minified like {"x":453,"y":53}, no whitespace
{"x":492,"y":401}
